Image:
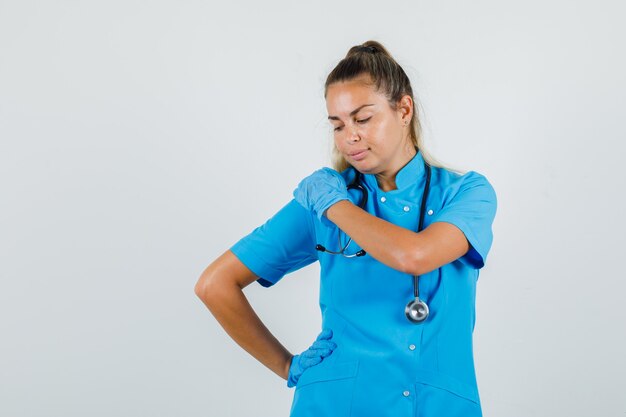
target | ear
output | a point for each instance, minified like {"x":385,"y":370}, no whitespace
{"x":405,"y":107}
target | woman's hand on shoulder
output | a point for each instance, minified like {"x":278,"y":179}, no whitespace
{"x":320,"y":190}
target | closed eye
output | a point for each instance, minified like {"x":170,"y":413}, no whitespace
{"x":358,"y":121}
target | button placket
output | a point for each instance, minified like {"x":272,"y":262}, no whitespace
{"x":399,"y":205}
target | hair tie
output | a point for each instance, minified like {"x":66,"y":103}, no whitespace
{"x":370,"y":49}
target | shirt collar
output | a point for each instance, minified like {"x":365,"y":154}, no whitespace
{"x":406,"y":176}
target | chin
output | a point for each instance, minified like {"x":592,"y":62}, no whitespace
{"x":362,"y":168}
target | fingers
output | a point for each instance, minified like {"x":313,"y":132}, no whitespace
{"x":323,"y":350}
{"x":317,"y":352}
{"x":320,"y":349}
{"x":312,"y":358}
{"x":307,"y":362}
{"x":323,"y":344}
{"x":323,"y":341}
{"x":325,"y":334}
{"x":333,"y":175}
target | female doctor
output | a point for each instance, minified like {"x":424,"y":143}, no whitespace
{"x":387,"y":347}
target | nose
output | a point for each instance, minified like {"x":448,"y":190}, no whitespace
{"x":354,"y":135}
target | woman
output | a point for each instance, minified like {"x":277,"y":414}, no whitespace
{"x":375,"y":356}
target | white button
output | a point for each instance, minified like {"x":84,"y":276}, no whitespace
{"x":412,"y":347}
{"x":406,"y":208}
{"x":383,"y":199}
{"x":430,"y":212}
{"x":406,"y":393}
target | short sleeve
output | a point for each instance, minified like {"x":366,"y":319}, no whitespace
{"x":472,"y":209}
{"x":283,"y":244}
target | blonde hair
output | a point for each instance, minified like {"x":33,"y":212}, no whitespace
{"x":388,"y":77}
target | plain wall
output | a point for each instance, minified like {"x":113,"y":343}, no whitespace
{"x":140,"y":140}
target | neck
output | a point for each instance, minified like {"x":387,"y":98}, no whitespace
{"x":387,"y":180}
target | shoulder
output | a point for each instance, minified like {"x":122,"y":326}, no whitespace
{"x":468,"y":201}
{"x":470,"y":183}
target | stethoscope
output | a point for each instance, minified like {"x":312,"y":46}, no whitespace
{"x":416,"y":310}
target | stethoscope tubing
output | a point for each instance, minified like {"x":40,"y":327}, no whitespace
{"x":416,"y":310}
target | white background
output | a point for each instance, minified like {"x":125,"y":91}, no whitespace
{"x":140,"y":140}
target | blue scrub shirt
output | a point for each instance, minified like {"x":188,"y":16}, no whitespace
{"x":383,"y":364}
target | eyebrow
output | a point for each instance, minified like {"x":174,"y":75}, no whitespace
{"x":352,"y":113}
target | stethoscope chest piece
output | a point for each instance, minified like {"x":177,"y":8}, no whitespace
{"x":416,"y":311}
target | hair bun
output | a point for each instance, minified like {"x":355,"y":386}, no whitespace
{"x":370,"y":49}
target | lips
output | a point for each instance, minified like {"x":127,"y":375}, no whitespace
{"x":355,"y":153}
{"x":358,"y":155}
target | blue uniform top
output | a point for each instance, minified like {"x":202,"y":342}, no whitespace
{"x":383,"y":364}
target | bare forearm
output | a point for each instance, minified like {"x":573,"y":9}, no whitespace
{"x":384,"y":241}
{"x":232,"y":310}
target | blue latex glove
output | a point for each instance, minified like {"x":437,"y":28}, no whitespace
{"x":320,"y":190}
{"x":321,"y":348}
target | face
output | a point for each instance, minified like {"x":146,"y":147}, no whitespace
{"x":369,"y":134}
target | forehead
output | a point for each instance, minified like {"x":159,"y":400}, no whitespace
{"x":343,"y":97}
